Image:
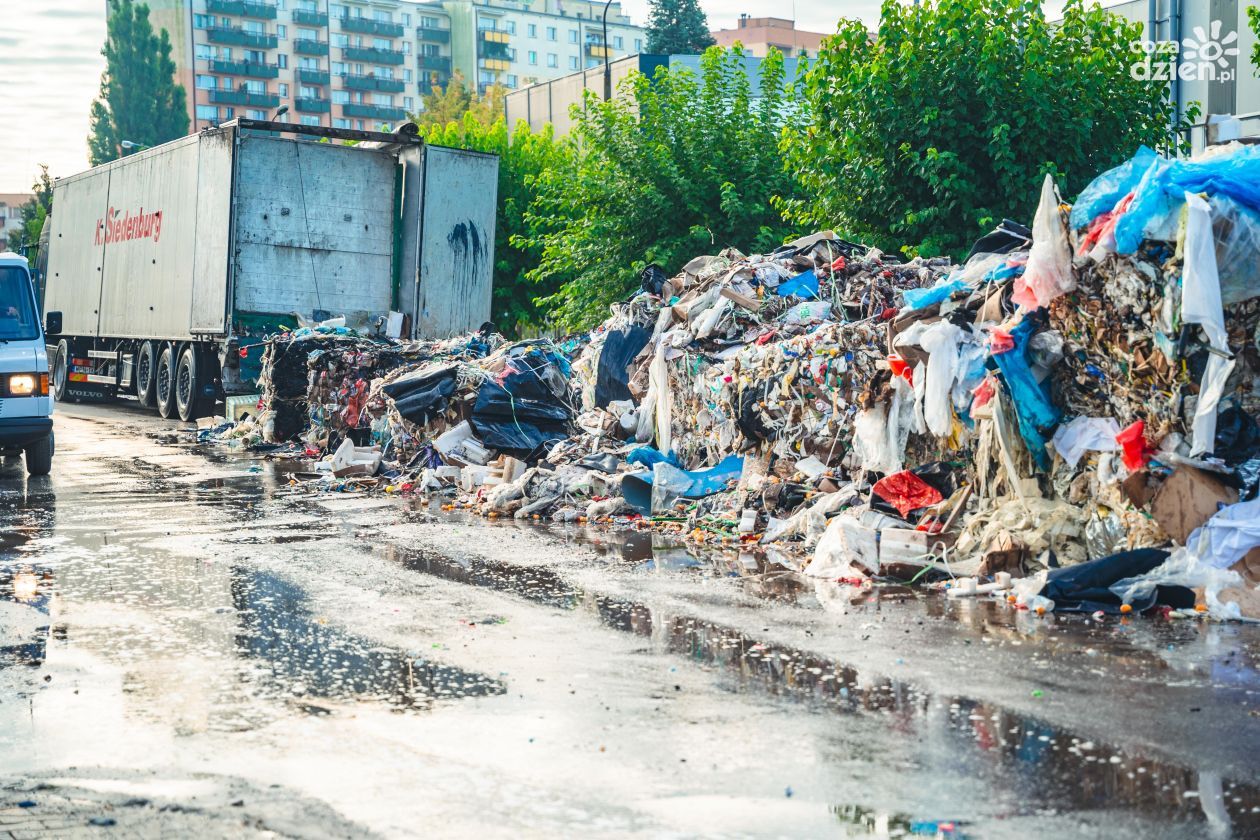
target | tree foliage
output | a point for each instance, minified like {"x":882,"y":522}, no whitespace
{"x":672,"y":167}
{"x":1253,"y":23}
{"x":945,"y":122}
{"x":33,"y":215}
{"x":677,"y":27}
{"x":139,"y":99}
{"x":446,"y":105}
{"x":523,"y":156}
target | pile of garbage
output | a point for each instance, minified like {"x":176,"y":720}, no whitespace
{"x":1067,"y":418}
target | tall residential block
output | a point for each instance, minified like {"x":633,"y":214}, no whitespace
{"x":363,"y":63}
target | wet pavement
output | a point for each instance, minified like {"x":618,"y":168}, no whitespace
{"x":182,"y":622}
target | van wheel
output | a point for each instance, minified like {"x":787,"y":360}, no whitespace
{"x":146,"y":374}
{"x":39,"y":456}
{"x":165,"y":377}
{"x":61,"y":373}
{"x":189,"y":382}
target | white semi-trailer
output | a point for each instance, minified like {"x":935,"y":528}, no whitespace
{"x":170,"y":265}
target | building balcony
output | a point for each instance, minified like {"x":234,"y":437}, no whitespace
{"x":305,"y":46}
{"x":242,"y":97}
{"x":242,"y":8}
{"x":366,"y":26}
{"x":435,"y":62}
{"x":495,"y":50}
{"x":312,"y":106}
{"x":598,"y":51}
{"x":372,"y":55}
{"x":310,"y":18}
{"x":374,"y":112}
{"x":494,"y":36}
{"x":245,"y":68}
{"x":372,"y":83}
{"x":437,"y":36}
{"x":241,"y":38}
{"x":497,"y":64}
{"x":313,"y":77}
{"x":430,"y":81}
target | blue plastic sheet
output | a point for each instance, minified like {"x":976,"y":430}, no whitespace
{"x":649,"y":455}
{"x":921,"y":298}
{"x":636,"y":488}
{"x":1036,"y":413}
{"x":802,"y":285}
{"x":1104,"y":191}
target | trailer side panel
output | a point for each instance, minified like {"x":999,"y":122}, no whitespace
{"x":314,"y":228}
{"x":214,"y":212}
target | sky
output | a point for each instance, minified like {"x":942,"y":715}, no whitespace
{"x":50,"y":60}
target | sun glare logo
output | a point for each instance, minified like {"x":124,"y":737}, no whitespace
{"x":1204,"y":56}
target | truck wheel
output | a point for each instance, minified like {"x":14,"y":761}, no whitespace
{"x":166,"y":382}
{"x":146,"y":374}
{"x":39,"y":456}
{"x":61,"y":373}
{"x":189,"y":381}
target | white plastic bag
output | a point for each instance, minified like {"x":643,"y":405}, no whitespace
{"x":1201,"y":304}
{"x":941,"y":341}
{"x":1049,"y":271}
{"x":1184,"y":568}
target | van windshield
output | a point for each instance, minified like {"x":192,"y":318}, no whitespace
{"x":17,"y":313}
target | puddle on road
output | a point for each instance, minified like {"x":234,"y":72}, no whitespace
{"x":1046,"y":768}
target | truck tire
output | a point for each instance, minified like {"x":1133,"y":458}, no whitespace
{"x":190,"y":380}
{"x":61,"y":373}
{"x":146,"y":374}
{"x":39,"y":456}
{"x":165,"y":377}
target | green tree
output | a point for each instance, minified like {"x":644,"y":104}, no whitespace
{"x":946,"y":120}
{"x":33,"y":214}
{"x":677,"y":27}
{"x":523,"y":156}
{"x":446,"y":105}
{"x":139,"y":99}
{"x":672,"y":167}
{"x":1253,"y":22}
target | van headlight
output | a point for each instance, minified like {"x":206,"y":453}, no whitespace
{"x":23,"y":384}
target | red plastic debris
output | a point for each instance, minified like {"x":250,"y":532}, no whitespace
{"x":1000,"y":341}
{"x":900,"y":367}
{"x":906,"y":492}
{"x":1134,"y":451}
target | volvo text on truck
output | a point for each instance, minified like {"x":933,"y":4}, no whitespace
{"x":170,"y":265}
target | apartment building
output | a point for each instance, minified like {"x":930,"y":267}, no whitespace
{"x":517,"y":43}
{"x":362,"y":63}
{"x":11,"y":215}
{"x":758,"y":35}
{"x":344,"y":64}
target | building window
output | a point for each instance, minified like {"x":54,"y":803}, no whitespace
{"x":282,"y":31}
{"x":551,"y":33}
{"x":509,"y":26}
{"x":284,"y":89}
{"x":406,"y":47}
{"x":255,"y":114}
{"x":307,"y":119}
{"x":386,"y":99}
{"x":409,"y":104}
{"x":256,"y":56}
{"x":339,"y":68}
{"x":511,"y":81}
{"x":227,"y":83}
{"x":203,"y":21}
{"x":339,"y":122}
{"x":280,"y":5}
{"x":207,"y":82}
{"x":533,"y":57}
{"x":427,"y":22}
{"x":208,"y":112}
{"x":638,"y":45}
{"x":406,"y":19}
{"x":341,"y":39}
{"x":203,"y":52}
{"x":337,"y":10}
{"x":341,"y":97}
{"x":573,"y":62}
{"x":430,"y":49}
{"x":406,"y":75}
{"x":254,"y":86}
{"x":253,"y":27}
{"x":617,"y":41}
{"x":383,"y":72}
{"x":282,"y":61}
{"x":383,"y":16}
{"x":532,"y":30}
{"x":572,"y":36}
{"x":308,"y":34}
{"x":553,"y":60}
{"x":358,"y":124}
{"x":308,"y":92}
{"x":382,"y":44}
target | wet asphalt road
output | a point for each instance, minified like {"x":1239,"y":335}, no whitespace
{"x":190,"y":646}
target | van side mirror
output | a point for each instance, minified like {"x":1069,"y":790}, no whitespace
{"x":52,"y":323}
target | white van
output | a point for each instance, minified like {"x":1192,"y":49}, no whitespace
{"x":25,"y":405}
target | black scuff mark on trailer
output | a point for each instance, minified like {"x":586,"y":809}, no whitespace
{"x":468,"y":250}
